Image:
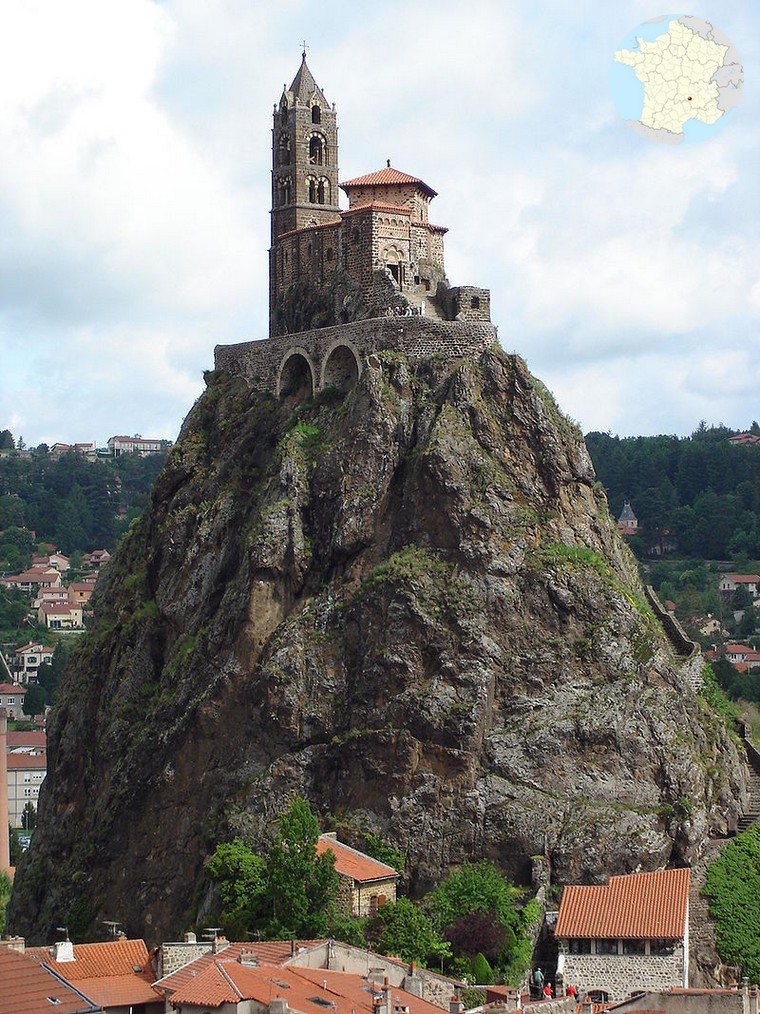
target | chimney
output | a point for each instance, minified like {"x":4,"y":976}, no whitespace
{"x":753,"y":1000}
{"x":5,"y":853}
{"x":455,"y":1004}
{"x":14,"y":944}
{"x":219,"y":944}
{"x":248,"y":958}
{"x":587,"y":1006}
{"x":190,"y":938}
{"x":63,"y":950}
{"x":278,"y":1006}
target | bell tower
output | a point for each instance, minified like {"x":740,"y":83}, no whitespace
{"x":304,"y":157}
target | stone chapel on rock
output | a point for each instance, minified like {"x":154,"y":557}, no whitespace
{"x":383,"y":246}
{"x":345,"y":285}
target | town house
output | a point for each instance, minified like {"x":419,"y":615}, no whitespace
{"x":365,"y":883}
{"x":630,"y":934}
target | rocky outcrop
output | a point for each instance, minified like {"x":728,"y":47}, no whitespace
{"x":409,"y":604}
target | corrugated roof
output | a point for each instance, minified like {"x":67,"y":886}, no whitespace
{"x":633,"y":906}
{"x":352,"y":863}
{"x":388,"y":177}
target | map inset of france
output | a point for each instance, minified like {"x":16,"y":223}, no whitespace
{"x":677,"y":78}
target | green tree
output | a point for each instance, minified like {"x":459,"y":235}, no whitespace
{"x":402,"y":928}
{"x":241,"y":876}
{"x":482,"y":973}
{"x":49,"y":675}
{"x":29,"y":817}
{"x":471,"y":888}
{"x":301,"y":886}
{"x":6,"y":885}
{"x":34,"y":700}
{"x":7,"y":443}
{"x":379,"y":849}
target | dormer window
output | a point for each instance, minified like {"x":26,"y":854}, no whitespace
{"x":316,"y":114}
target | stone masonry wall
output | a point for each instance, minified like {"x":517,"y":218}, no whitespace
{"x":259,"y":362}
{"x":620,"y":974}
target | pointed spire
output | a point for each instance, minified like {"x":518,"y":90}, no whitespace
{"x":304,"y":86}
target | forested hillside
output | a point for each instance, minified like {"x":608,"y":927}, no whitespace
{"x":74,"y":502}
{"x":702,"y":490}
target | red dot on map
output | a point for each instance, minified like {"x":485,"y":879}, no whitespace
{"x":689,"y":99}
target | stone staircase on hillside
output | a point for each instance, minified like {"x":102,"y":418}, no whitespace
{"x":702,"y":944}
{"x":752,"y":814}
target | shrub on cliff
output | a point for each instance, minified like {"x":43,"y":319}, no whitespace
{"x":733,"y":887}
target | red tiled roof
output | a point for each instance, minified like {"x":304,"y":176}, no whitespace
{"x":387,"y":177}
{"x":270,"y":952}
{"x":743,"y":578}
{"x":352,"y":863}
{"x":29,"y":987}
{"x":11,"y":688}
{"x":106,"y":971}
{"x":304,"y":989}
{"x":56,"y":609}
{"x":377,"y":206}
{"x":34,"y":739}
{"x":632,"y":906}
{"x":22,"y":761}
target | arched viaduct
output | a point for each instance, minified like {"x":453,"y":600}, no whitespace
{"x":334,"y":357}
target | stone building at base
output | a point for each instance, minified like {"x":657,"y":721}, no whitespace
{"x":631,"y":934}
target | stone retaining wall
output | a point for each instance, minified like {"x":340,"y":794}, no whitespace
{"x":260,"y":363}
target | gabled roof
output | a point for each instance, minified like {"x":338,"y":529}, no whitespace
{"x":352,"y":863}
{"x":633,"y":906}
{"x":16,"y":688}
{"x":114,"y":973}
{"x":30,"y":987}
{"x":388,"y":177}
{"x":742,"y":578}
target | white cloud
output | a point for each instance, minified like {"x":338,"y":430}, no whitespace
{"x":134,"y":198}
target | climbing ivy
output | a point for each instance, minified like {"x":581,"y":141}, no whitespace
{"x":733,"y":886}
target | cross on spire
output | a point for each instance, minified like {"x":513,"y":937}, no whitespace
{"x":304,"y":47}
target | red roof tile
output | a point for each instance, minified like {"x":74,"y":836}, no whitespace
{"x":305,"y":989}
{"x":377,"y":206}
{"x":633,"y":906}
{"x":352,"y":863}
{"x":26,"y":985}
{"x":387,"y":177}
{"x":27,"y":761}
{"x":271,"y":952}
{"x":36,"y":739}
{"x":106,"y":971}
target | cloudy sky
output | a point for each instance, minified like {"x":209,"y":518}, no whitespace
{"x":134,"y":198}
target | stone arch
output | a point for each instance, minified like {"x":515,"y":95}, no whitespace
{"x":341,"y":367}
{"x":295,"y":377}
{"x":394,"y":261}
